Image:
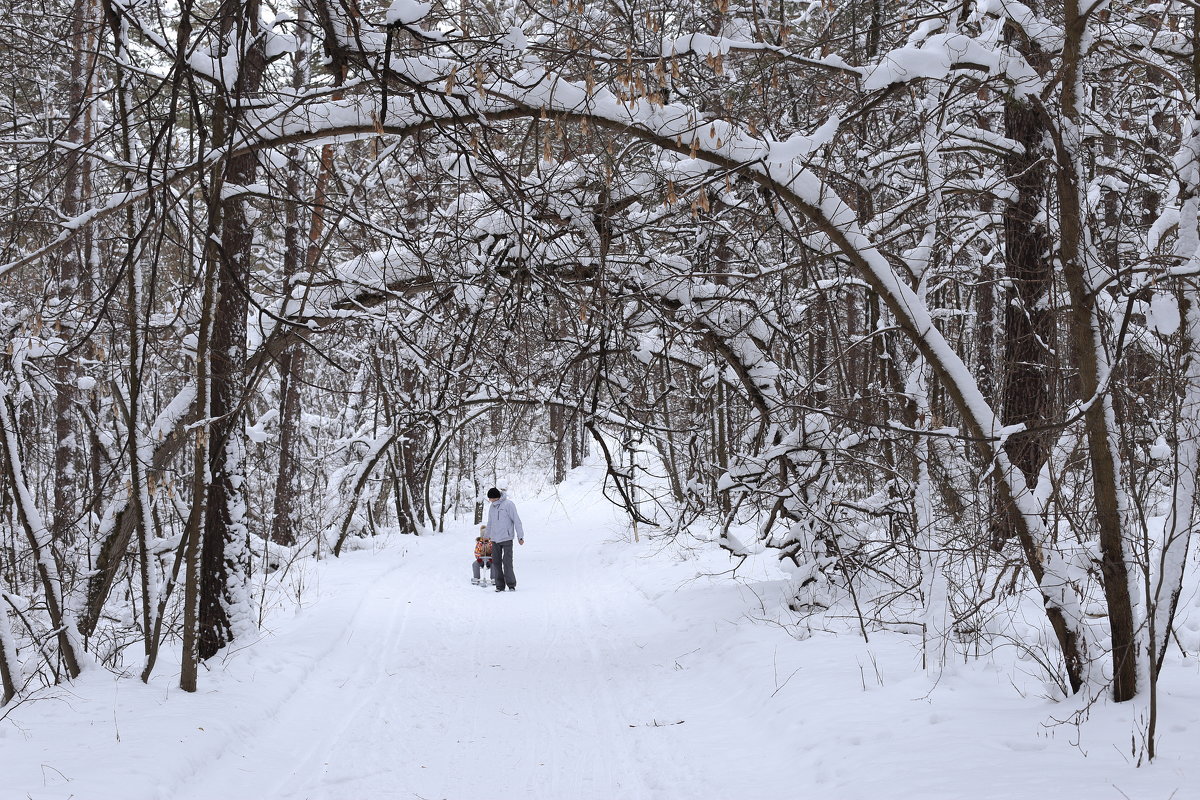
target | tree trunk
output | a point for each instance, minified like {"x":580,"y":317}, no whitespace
{"x":71,"y":272}
{"x":558,"y":442}
{"x":1028,"y":381}
{"x":1100,"y":422}
{"x":8,"y":655}
{"x":201,"y":479}
{"x":40,"y":541}
{"x":297,"y":257}
{"x":224,"y":547}
{"x":1180,"y":528}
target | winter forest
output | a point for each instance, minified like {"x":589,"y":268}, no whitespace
{"x":895,"y":302}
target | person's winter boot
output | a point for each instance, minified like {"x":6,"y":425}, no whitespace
{"x":474,"y":581}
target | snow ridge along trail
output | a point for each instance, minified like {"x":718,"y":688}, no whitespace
{"x":440,"y":689}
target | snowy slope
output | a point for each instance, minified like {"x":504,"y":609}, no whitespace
{"x":618,"y":670}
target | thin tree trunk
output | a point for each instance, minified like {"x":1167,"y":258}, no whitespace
{"x":8,"y":655}
{"x":558,"y":442}
{"x":286,"y":511}
{"x":1180,"y":526}
{"x":1108,"y":488}
{"x":201,"y":479}
{"x":71,"y":272}
{"x":40,"y":541}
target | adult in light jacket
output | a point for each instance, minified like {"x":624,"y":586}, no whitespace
{"x":503,"y":525}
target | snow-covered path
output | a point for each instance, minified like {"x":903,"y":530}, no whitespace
{"x":617,"y":671}
{"x":567,"y":688}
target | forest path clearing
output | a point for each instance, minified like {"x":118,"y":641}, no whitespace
{"x":568,"y":688}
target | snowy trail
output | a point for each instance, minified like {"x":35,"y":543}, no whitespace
{"x":440,"y":689}
{"x":617,"y":671}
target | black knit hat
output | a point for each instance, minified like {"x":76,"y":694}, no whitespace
{"x":493,"y":493}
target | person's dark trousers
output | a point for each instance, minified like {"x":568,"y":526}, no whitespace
{"x":502,"y":568}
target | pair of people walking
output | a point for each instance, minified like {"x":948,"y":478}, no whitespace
{"x":495,"y":542}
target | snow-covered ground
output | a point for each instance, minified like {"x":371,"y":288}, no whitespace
{"x":618,"y":670}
